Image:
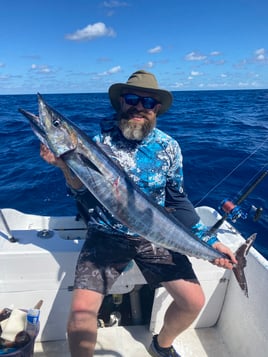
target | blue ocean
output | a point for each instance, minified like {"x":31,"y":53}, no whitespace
{"x":223,"y":136}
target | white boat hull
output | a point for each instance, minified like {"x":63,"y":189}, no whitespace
{"x":38,"y":266}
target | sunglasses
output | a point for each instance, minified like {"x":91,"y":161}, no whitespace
{"x":134,"y":99}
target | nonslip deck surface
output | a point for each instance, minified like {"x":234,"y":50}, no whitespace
{"x":132,"y":342}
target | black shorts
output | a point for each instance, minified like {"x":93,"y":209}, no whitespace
{"x":104,"y":257}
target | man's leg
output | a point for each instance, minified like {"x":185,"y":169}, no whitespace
{"x":188,"y":301}
{"x":82,"y":324}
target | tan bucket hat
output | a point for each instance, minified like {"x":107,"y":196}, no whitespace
{"x":141,"y":81}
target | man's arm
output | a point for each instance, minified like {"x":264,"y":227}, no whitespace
{"x":180,"y":206}
{"x":182,"y":209}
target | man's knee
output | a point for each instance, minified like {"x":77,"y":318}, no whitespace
{"x":195,"y":298}
{"x":84,"y":310}
{"x":188,"y":296}
{"x":197,"y":302}
{"x":81,"y":320}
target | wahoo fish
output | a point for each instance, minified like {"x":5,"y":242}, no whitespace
{"x":99,"y":171}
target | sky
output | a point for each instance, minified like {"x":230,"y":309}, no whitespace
{"x":84,"y":46}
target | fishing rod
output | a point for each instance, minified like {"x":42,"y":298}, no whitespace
{"x":232,"y":210}
{"x":232,"y":171}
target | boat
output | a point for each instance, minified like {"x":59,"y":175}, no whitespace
{"x":38,"y":257}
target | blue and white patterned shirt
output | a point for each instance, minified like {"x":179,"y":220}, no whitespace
{"x":155,"y":165}
{"x":152,"y":163}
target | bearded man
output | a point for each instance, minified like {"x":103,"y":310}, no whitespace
{"x":153,"y":160}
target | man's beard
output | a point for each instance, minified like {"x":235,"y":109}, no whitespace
{"x":135,"y":130}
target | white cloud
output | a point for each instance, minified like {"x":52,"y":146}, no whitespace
{"x":111,"y":71}
{"x":178,"y":85}
{"x":115,"y":3}
{"x":90,"y":32}
{"x":2,"y":65}
{"x":115,"y":70}
{"x":194,"y":56}
{"x":156,"y":49}
{"x":260,"y":54}
{"x":195,"y":73}
{"x":243,"y":84}
{"x":41,"y":68}
{"x":215,"y":53}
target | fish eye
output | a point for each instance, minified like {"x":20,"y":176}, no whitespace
{"x":56,"y":123}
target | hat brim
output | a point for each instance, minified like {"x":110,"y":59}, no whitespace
{"x":117,"y":89}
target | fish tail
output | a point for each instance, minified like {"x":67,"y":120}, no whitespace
{"x":238,"y":269}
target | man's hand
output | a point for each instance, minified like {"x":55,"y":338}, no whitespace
{"x":72,"y":180}
{"x":50,"y":158}
{"x":221,"y":262}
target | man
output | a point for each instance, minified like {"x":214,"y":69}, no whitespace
{"x":154,"y":161}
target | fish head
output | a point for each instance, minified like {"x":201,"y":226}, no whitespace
{"x":61,"y":137}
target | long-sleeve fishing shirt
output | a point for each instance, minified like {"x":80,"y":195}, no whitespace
{"x":155,"y":165}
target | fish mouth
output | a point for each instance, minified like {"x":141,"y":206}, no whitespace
{"x":34,"y":119}
{"x":35,"y":124}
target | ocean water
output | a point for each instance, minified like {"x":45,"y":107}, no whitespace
{"x":223,"y":136}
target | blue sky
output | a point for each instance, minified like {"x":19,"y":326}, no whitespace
{"x":64,"y":46}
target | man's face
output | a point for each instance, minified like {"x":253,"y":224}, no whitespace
{"x":138,"y":114}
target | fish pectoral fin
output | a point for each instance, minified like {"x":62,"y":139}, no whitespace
{"x":89,"y":163}
{"x":240,"y":255}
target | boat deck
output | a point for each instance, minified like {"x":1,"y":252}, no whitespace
{"x":239,"y":323}
{"x":132,"y":342}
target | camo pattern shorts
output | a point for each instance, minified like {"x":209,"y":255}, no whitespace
{"x":104,"y":257}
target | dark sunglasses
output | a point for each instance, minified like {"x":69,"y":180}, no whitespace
{"x":134,"y":99}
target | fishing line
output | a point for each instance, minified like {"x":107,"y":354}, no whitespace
{"x":254,"y":177}
{"x":232,"y":171}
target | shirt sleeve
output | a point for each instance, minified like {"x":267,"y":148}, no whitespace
{"x":201,"y":230}
{"x":180,"y":206}
{"x":177,"y":201}
{"x":183,"y":210}
{"x":175,"y":172}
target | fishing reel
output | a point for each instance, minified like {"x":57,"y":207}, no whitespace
{"x":234,"y":212}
